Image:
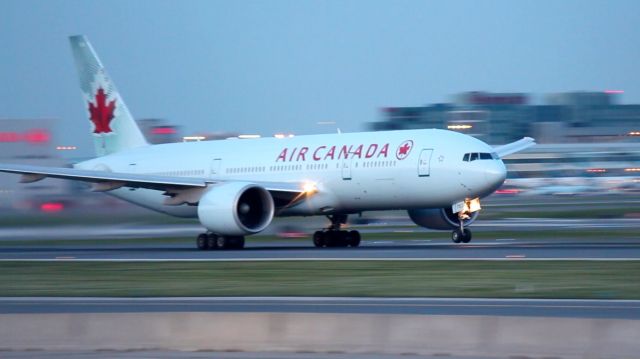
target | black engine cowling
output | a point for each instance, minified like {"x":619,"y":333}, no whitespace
{"x":438,"y":218}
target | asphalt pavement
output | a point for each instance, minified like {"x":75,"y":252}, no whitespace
{"x":620,"y":309}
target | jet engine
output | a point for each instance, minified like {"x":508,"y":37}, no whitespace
{"x":439,"y":218}
{"x":236,"y":208}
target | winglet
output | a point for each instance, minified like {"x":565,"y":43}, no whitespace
{"x":514,"y":147}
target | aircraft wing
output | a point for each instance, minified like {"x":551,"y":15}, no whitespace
{"x":106,"y":181}
{"x":514,"y":147}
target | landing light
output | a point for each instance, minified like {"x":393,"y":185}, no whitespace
{"x":244,"y":137}
{"x":459,"y":127}
{"x":309,"y":188}
{"x":193,"y":138}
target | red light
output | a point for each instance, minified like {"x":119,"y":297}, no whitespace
{"x":9,"y":137}
{"x":507,"y":191}
{"x":37,"y":136}
{"x":163,"y":131}
{"x":51,"y":207}
{"x":32,"y":136}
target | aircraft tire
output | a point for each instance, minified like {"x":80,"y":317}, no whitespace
{"x":202,"y":242}
{"x":319,"y":239}
{"x":212,"y":241}
{"x":466,"y":236}
{"x":222,"y":242}
{"x":456,"y":235}
{"x":238,"y":242}
{"x":354,"y":239}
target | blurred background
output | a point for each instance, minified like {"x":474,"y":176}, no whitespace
{"x":565,"y":73}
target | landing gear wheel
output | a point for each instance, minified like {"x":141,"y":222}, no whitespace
{"x":354,"y":238}
{"x":222,"y":242}
{"x":237,"y":242}
{"x":318,"y":239}
{"x":343,"y":238}
{"x":457,"y":235}
{"x":230,"y":242}
{"x":466,"y":236}
{"x":202,"y":242}
{"x":212,"y":241}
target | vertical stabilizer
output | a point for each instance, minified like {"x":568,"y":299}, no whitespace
{"x":112,"y":126}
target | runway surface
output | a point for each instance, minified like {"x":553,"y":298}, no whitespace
{"x":133,"y":230}
{"x":500,"y":248}
{"x":420,"y":306}
{"x":121,"y":242}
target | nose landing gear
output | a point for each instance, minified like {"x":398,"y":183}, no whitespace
{"x":334,"y":236}
{"x":462,"y":234}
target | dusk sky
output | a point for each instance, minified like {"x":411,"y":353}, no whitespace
{"x":283,"y":66}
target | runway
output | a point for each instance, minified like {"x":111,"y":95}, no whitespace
{"x":411,"y":306}
{"x":391,"y":237}
{"x":302,"y":249}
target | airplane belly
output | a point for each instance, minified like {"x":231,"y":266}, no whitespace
{"x":153,"y":200}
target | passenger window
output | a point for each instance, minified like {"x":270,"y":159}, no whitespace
{"x":474,"y":156}
{"x":466,"y":157}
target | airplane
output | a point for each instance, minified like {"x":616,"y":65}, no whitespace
{"x":235,"y":187}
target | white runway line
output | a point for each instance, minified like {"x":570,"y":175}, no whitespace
{"x":497,"y":259}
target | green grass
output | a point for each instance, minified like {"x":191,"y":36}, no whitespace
{"x":495,"y":279}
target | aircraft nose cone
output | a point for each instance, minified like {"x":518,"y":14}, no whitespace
{"x":495,"y":175}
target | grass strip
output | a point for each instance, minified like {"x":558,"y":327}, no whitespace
{"x":499,"y":279}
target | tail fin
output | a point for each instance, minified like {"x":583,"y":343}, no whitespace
{"x":112,"y":125}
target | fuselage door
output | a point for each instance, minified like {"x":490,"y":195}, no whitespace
{"x":424,"y":163}
{"x":216,"y":167}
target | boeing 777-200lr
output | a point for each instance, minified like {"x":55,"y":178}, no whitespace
{"x":236,"y":187}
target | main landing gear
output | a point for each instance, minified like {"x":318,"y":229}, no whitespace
{"x":207,"y":241}
{"x":334,"y":236}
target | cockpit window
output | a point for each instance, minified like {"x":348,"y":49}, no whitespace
{"x":468,"y":157}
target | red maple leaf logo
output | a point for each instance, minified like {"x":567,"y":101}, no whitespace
{"x":101,"y":112}
{"x":403,"y":150}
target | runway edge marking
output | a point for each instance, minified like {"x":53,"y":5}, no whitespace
{"x":334,"y":259}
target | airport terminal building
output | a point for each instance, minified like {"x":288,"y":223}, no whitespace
{"x":496,"y":118}
{"x":580,"y":134}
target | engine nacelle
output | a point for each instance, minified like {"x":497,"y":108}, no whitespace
{"x":236,"y":208}
{"x":439,"y":218}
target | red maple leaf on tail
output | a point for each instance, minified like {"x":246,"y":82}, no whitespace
{"x":101,"y":112}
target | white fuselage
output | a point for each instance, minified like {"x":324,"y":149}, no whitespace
{"x":353,"y":172}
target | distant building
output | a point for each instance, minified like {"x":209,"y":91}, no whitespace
{"x":32,"y":142}
{"x":497,"y":118}
{"x":158,"y":131}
